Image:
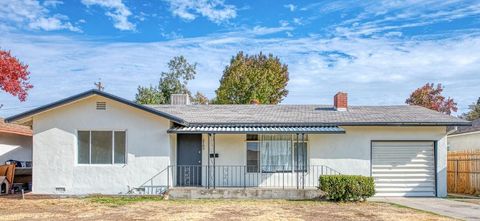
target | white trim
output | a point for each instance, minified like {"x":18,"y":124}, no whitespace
{"x":462,"y":134}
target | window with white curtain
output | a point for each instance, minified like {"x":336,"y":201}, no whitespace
{"x":276,"y":153}
{"x":101,"y":147}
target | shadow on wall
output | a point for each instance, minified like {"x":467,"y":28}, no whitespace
{"x":15,"y":147}
{"x":15,"y":153}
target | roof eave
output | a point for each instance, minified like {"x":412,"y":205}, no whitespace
{"x":21,"y":133}
{"x":339,"y":124}
{"x":86,"y":94}
{"x":254,"y":132}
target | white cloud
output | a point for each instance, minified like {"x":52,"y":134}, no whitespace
{"x":290,"y":7}
{"x":52,"y":3}
{"x":283,"y":23}
{"x":261,"y":30}
{"x":171,"y":35}
{"x":30,"y":14}
{"x":393,"y":16}
{"x":297,"y":21}
{"x":214,"y":10}
{"x":116,"y":10}
{"x":51,"y":24}
{"x":373,"y":71}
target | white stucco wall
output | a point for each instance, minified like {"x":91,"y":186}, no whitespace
{"x":467,"y":141}
{"x":15,"y":147}
{"x":55,"y":148}
{"x":347,"y":153}
{"x":350,"y":153}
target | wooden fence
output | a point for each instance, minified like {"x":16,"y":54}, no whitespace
{"x":463,"y":172}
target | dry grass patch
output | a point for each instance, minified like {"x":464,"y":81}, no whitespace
{"x":148,"y":208}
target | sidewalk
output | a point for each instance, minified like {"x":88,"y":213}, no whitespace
{"x":445,"y":207}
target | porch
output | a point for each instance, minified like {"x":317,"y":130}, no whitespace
{"x":235,"y":180}
{"x":262,"y":157}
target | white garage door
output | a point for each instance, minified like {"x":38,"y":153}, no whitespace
{"x":403,"y":168}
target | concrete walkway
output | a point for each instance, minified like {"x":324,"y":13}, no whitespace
{"x":446,"y":207}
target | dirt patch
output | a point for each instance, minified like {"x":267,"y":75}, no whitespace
{"x":88,"y":209}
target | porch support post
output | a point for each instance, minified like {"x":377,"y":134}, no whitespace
{"x":214,"y":158}
{"x":296,"y":157}
{"x":208,"y":161}
{"x":303,"y":163}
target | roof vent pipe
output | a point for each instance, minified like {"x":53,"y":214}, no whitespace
{"x":179,"y":99}
{"x":340,"y":101}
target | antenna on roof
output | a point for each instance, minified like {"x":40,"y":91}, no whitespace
{"x":99,"y":85}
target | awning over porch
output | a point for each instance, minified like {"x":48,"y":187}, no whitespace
{"x":257,"y":129}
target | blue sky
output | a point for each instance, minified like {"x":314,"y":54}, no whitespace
{"x":377,"y":51}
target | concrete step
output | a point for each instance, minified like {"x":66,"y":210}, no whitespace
{"x":240,"y":193}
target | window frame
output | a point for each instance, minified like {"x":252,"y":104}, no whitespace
{"x":307,"y":149}
{"x":258,"y":155}
{"x":293,"y":141}
{"x":90,"y":147}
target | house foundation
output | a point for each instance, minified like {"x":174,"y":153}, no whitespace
{"x":240,"y":193}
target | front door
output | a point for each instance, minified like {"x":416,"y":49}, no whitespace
{"x":189,"y":159}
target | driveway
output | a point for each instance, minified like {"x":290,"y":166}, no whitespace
{"x":451,"y":208}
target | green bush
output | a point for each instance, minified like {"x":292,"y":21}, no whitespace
{"x":347,"y":187}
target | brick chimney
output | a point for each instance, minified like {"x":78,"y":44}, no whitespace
{"x":340,"y":101}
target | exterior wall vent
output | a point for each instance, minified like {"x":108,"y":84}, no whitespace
{"x":101,"y":105}
{"x":60,"y":189}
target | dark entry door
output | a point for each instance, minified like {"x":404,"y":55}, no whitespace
{"x":189,"y":159}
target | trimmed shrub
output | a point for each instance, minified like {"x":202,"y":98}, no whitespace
{"x":347,"y":187}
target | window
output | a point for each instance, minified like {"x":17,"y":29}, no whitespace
{"x":119,"y":151}
{"x":276,"y":153}
{"x":101,"y":147}
{"x":252,"y":137}
{"x":300,"y":159}
{"x":83,"y":147}
{"x":253,"y":157}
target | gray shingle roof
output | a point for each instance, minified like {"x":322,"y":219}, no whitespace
{"x":467,"y":129}
{"x":307,"y":115}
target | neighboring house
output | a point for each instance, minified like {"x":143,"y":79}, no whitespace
{"x":95,"y":142}
{"x":465,"y":137}
{"x":16,"y":148}
{"x":15,"y":142}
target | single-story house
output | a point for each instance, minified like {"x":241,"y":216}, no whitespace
{"x":96,"y":142}
{"x":465,"y":137}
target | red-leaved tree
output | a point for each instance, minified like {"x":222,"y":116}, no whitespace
{"x":431,"y":97}
{"x":14,"y":76}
